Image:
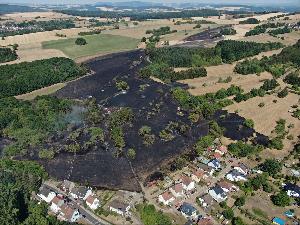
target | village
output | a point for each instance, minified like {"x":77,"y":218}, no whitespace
{"x":194,"y":193}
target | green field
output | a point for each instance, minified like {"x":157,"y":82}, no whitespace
{"x":96,"y":44}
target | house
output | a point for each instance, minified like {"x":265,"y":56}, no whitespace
{"x":207,"y":169}
{"x":292,"y":190}
{"x":242,"y":168}
{"x":235,"y":175}
{"x":278,"y":221}
{"x":214,"y":163}
{"x":56,"y":204}
{"x":227,"y":186}
{"x":68,"y":213}
{"x":119,"y":207}
{"x":46,"y":194}
{"x":203,"y":160}
{"x":289,"y":213}
{"x":295,"y":173}
{"x":67,"y":186}
{"x":80,"y":192}
{"x":188,"y":211}
{"x":177,"y":190}
{"x":205,"y":221}
{"x":218,"y":194}
{"x":197,"y":175}
{"x":217,"y":155}
{"x":222,"y":149}
{"x":206,"y":200}
{"x":166,"y":198}
{"x":92,"y":202}
{"x":187,"y":183}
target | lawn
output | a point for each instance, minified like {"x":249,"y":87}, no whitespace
{"x":96,"y":44}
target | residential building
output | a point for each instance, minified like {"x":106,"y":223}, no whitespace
{"x":119,"y":207}
{"x":242,"y":168}
{"x":187,"y":183}
{"x":177,"y":190}
{"x":278,"y":221}
{"x":222,"y":149}
{"x":214,"y":163}
{"x":46,"y":194}
{"x":227,"y":186}
{"x":206,"y":200}
{"x":166,"y":198}
{"x":218,"y":194}
{"x":188,"y":211}
{"x":205,"y":221}
{"x":56,"y":204}
{"x":292,"y":190}
{"x":67,"y":186}
{"x":92,"y":202}
{"x":197,"y":175}
{"x":207,"y":169}
{"x":80,"y":192}
{"x":68,"y":213}
{"x":235,"y":175}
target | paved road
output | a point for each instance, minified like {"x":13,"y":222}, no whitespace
{"x":89,"y":215}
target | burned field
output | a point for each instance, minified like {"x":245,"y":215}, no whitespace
{"x":152,"y":105}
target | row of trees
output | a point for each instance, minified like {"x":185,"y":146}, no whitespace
{"x":24,"y":77}
{"x":260,"y":29}
{"x":7,"y":54}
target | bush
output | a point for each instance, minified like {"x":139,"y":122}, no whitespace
{"x":249,"y":123}
{"x":240,"y":201}
{"x":122,"y":85}
{"x":80,"y":41}
{"x":7,"y":55}
{"x":131,"y":153}
{"x":46,"y":154}
{"x":228,"y":214}
{"x":283,"y":93}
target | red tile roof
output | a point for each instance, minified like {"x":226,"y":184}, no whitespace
{"x":167,"y":195}
{"x":178,"y":188}
{"x":222,"y":148}
{"x":225,"y":184}
{"x":67,"y":212}
{"x":198,"y":173}
{"x":205,"y":221}
{"x":186,"y":180}
{"x":90,"y":199}
{"x":217,"y":155}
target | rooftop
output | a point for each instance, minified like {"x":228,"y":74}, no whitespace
{"x":178,"y":188}
{"x":116,"y":204}
{"x":167,"y":195}
{"x":187,"y":209}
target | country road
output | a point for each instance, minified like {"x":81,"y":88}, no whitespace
{"x":89,"y":215}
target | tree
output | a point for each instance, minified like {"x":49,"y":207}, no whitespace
{"x":240,"y":201}
{"x":281,"y":199}
{"x":283,"y":93}
{"x":249,"y":123}
{"x":122,"y":85}
{"x":46,"y":154}
{"x":237,"y":221}
{"x":80,"y":41}
{"x":228,"y":214}
{"x":131,"y":153}
{"x":271,"y":166}
{"x":144,"y":39}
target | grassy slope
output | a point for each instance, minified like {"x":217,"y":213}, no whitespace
{"x":97,"y":44}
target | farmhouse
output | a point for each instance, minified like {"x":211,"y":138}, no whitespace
{"x":80,"y":192}
{"x":166,"y":198}
{"x":177,"y":190}
{"x":46,"y":194}
{"x":119,"y":207}
{"x":92,"y":202}
{"x":188,"y":211}
{"x":218,"y":194}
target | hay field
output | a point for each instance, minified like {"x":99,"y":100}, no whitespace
{"x":263,"y":17}
{"x":96,"y":44}
{"x":19,"y":17}
{"x":265,"y":117}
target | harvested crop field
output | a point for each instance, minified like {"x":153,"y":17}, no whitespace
{"x":96,"y":44}
{"x":19,"y":17}
{"x":265,"y":117}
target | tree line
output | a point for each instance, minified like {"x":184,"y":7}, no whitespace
{"x":7,"y":55}
{"x":24,"y":77}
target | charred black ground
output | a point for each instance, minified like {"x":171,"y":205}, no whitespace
{"x":152,"y":105}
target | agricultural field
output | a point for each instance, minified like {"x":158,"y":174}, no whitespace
{"x":96,"y":45}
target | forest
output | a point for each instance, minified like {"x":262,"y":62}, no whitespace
{"x":275,"y":64}
{"x":34,"y":26}
{"x":25,"y":77}
{"x":143,"y":15}
{"x":7,"y":55}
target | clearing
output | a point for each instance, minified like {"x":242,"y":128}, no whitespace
{"x":96,"y":44}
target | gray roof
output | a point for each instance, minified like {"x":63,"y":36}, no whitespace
{"x":218,"y":190}
{"x":80,"y":191}
{"x":292,"y":187}
{"x":187,"y":209}
{"x":44,"y":191}
{"x":118,"y":205}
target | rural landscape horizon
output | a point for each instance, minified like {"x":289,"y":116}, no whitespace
{"x":150,"y":112}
